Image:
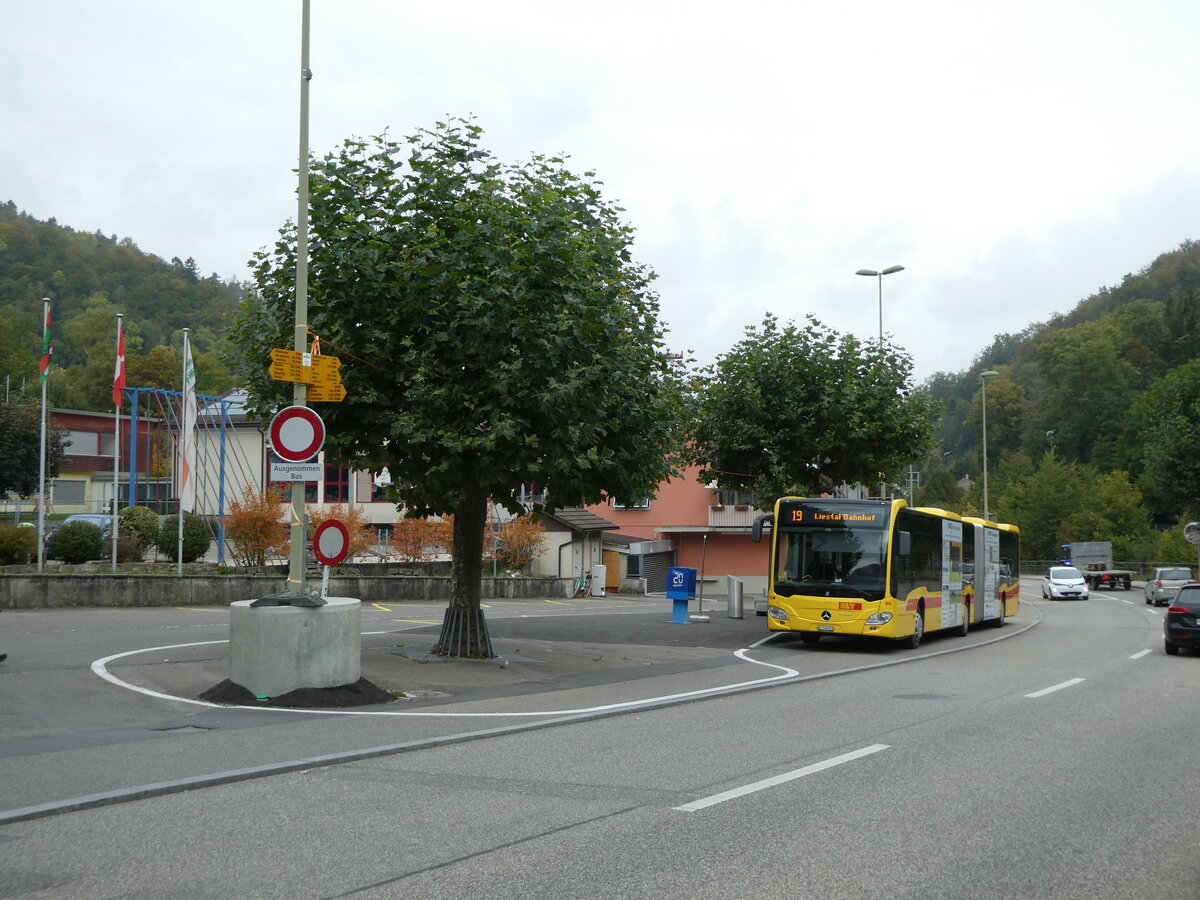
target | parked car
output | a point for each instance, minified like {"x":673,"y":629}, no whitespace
{"x":1064,"y":583}
{"x":1181,"y":627}
{"x":1163,"y":584}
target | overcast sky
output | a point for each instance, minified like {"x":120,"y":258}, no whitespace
{"x":1014,"y":157}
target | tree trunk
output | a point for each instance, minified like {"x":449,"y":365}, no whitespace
{"x":464,"y":631}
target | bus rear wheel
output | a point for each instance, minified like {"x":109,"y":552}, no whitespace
{"x":965,"y":625}
{"x":913,"y":641}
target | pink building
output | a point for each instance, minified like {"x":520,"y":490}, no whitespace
{"x":686,"y":524}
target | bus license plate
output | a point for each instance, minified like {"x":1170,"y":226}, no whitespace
{"x":824,"y":628}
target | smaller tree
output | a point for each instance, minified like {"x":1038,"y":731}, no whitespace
{"x":254,"y":527}
{"x":20,"y":447}
{"x":521,"y":541}
{"x":939,"y":490}
{"x":196,"y":538}
{"x":417,"y":541}
{"x":802,"y":409}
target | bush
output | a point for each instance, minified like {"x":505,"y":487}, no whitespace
{"x":139,"y":531}
{"x":254,"y":528}
{"x":521,"y":540}
{"x":76,"y":542}
{"x":18,"y":546}
{"x":196,"y":538}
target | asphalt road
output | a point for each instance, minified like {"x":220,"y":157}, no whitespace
{"x":1050,"y":758}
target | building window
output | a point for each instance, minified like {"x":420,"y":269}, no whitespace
{"x":634,"y":565}
{"x":83,"y":443}
{"x":69,"y":492}
{"x":730,"y":497}
{"x":644,"y":503}
{"x":337,"y":483}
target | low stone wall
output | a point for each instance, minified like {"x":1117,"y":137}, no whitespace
{"x":25,"y":591}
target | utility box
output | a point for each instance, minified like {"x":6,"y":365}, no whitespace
{"x":599,"y":576}
{"x":681,"y":583}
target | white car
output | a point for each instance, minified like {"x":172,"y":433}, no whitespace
{"x":1064,"y":583}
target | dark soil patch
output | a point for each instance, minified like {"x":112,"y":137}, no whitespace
{"x":361,"y":693}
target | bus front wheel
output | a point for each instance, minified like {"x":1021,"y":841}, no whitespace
{"x":913,"y":641}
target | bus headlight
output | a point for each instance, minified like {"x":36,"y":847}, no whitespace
{"x":879,"y":618}
{"x":776,"y":613}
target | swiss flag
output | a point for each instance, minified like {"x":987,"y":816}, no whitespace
{"x":119,"y":374}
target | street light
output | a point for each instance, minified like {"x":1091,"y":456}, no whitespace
{"x":984,"y":376}
{"x":879,"y":275}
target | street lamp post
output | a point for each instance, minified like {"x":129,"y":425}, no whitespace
{"x":879,"y":275}
{"x":984,"y":376}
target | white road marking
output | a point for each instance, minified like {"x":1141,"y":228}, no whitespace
{"x":1057,"y":687}
{"x":100,"y":667}
{"x":1140,"y":654}
{"x":780,"y":779}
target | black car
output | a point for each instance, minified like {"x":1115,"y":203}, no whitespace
{"x":1181,"y":628}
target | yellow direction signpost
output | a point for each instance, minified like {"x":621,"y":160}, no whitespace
{"x":325,"y":393}
{"x":321,"y":373}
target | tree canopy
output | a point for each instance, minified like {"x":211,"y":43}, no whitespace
{"x":493,"y":329}
{"x":20,"y":447}
{"x":799,"y":410}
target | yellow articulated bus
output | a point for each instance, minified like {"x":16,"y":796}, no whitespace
{"x":881,"y":568}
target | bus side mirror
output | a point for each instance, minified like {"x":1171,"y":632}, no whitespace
{"x":904,"y":547}
{"x":757,"y":528}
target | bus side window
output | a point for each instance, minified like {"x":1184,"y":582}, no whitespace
{"x":904,"y":543}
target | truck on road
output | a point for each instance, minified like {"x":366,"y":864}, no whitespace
{"x":1094,"y":560}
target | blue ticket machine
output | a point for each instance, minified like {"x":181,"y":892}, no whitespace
{"x":681,"y":587}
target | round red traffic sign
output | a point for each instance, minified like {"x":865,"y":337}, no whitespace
{"x":297,"y":433}
{"x":331,"y":540}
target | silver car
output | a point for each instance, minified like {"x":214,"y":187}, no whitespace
{"x":1163,"y":584}
{"x":1064,"y":583}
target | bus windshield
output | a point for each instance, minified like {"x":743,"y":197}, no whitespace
{"x":837,"y":549}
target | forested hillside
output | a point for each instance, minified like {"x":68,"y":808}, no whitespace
{"x":1092,"y":421}
{"x":1093,"y":417}
{"x":89,"y":278}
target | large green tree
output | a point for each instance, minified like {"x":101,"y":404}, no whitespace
{"x":20,"y":447}
{"x":1166,"y":422}
{"x":493,"y":329}
{"x":800,"y":409}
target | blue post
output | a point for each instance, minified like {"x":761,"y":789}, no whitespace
{"x":133,"y":447}
{"x":681,"y":587}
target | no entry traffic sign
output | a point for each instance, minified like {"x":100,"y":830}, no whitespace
{"x":297,"y":433}
{"x":331,"y":540}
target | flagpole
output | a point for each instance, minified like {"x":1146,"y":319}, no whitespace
{"x":45,"y":374}
{"x":185,"y":473}
{"x":118,"y":385}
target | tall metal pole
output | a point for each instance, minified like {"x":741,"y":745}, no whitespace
{"x":296,"y":560}
{"x":879,"y":279}
{"x":41,"y":528}
{"x":115,"y":528}
{"x":878,"y":275}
